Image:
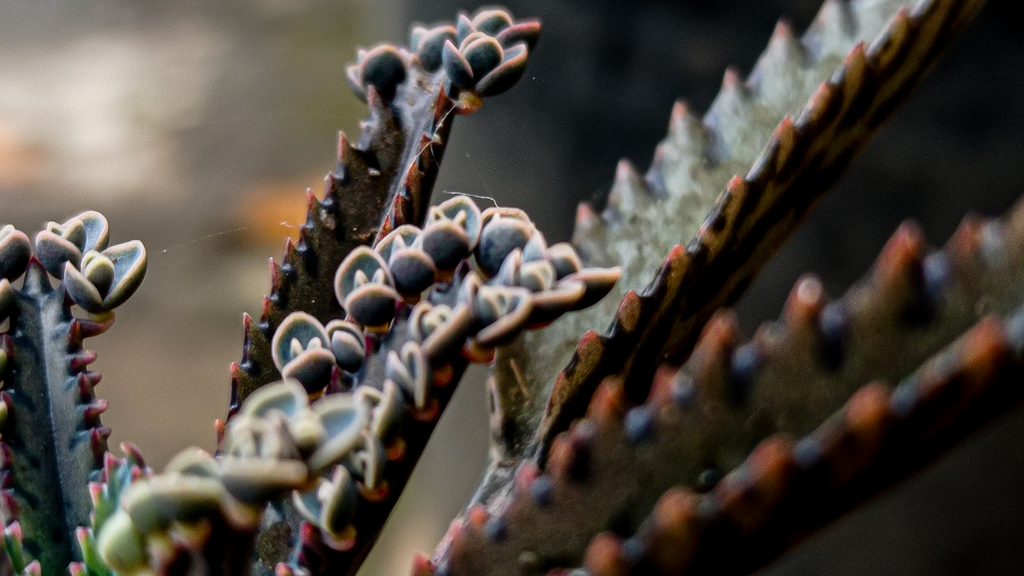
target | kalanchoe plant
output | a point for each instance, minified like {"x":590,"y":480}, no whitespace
{"x":664,"y":445}
{"x":53,"y":439}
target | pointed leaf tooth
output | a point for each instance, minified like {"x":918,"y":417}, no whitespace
{"x":805,"y":303}
{"x":237,"y":373}
{"x":820,"y":109}
{"x":276,"y":277}
{"x":80,"y":360}
{"x":422,"y":566}
{"x":847,"y":444}
{"x":744,"y":365}
{"x":98,"y":440}
{"x":313,"y":208}
{"x":608,"y":404}
{"x":84,"y":388}
{"x":674,"y":531}
{"x":852,"y":79}
{"x":780,"y":66}
{"x":567,"y":460}
{"x":965,"y":242}
{"x":75,"y":337}
{"x":93,"y":411}
{"x":442,"y":108}
{"x":713,"y":352}
{"x":686,"y":131}
{"x":832,"y":30}
{"x":289,"y":252}
{"x":588,"y":223}
{"x":110,"y":464}
{"x":728,"y":112}
{"x":725,"y":211}
{"x":629,"y":194}
{"x":778,"y":156}
{"x":36,"y":279}
{"x":783,"y":52}
{"x":605,"y":556}
{"x":627,"y":315}
{"x":887,"y":50}
{"x":748,"y":495}
{"x":898,"y":269}
{"x":133,"y":455}
{"x":94,"y":326}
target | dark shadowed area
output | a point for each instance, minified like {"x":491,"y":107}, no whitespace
{"x":196,"y":126}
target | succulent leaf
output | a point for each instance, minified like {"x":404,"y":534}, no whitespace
{"x":15,"y":250}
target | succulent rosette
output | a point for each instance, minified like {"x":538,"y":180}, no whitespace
{"x":69,"y":242}
{"x":308,"y":352}
{"x":489,"y":52}
{"x":365,"y":287}
{"x":105,"y":280}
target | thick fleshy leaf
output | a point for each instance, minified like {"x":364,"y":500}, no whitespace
{"x":413,"y":270}
{"x":463,"y":27}
{"x":343,"y":417}
{"x":130,"y":264}
{"x":287,"y":398}
{"x":257,"y":480}
{"x":527,"y":31}
{"x":563,"y":297}
{"x":82,"y":292}
{"x":506,"y":74}
{"x":430,"y":43}
{"x":456,"y":67}
{"x":446,"y":243}
{"x":482,"y":52}
{"x":97,"y":231}
{"x":99,"y":270}
{"x":122,"y":546}
{"x":67,"y":242}
{"x":387,"y":408}
{"x":503,"y":311}
{"x":399,"y":238}
{"x":408,"y":369}
{"x":501,"y":235}
{"x":53,"y":250}
{"x":348,"y":343}
{"x":492,"y":21}
{"x":461,"y":210}
{"x":312,"y":368}
{"x":426,"y":318}
{"x":297,"y":327}
{"x":384,"y":69}
{"x":119,"y":270}
{"x":365,"y":287}
{"x":368,"y":462}
{"x":15,"y":250}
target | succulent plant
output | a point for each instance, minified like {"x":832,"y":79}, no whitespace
{"x":664,"y":445}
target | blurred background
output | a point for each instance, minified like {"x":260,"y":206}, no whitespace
{"x":196,"y":125}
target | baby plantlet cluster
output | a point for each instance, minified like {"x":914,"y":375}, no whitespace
{"x":416,"y":302}
{"x":54,"y":293}
{"x":664,"y":445}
